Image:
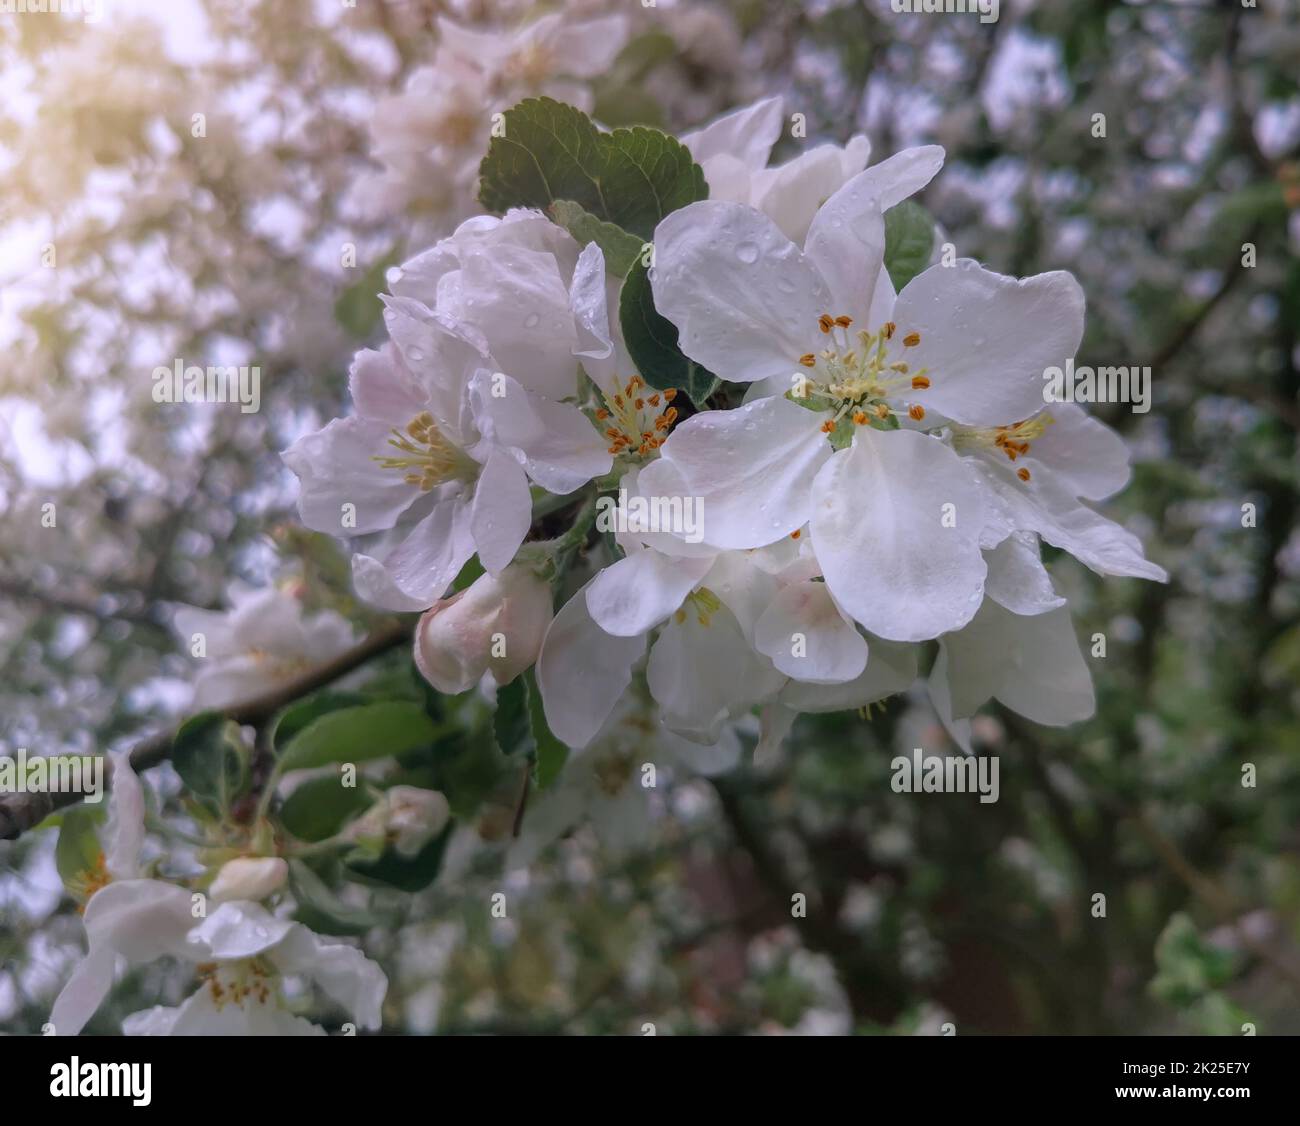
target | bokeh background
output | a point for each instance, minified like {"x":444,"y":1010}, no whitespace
{"x":922,"y":910}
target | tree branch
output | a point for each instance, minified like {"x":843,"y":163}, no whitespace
{"x":20,"y":812}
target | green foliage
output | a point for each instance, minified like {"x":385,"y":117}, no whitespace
{"x":909,"y":241}
{"x":319,"y":807}
{"x":358,"y":308}
{"x":323,"y":911}
{"x":212,"y":759}
{"x":652,"y":342}
{"x":359,"y":734}
{"x":404,"y":873}
{"x":550,"y":152}
{"x":621,"y":249}
{"x":78,"y":849}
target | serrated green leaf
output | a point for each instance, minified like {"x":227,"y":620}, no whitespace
{"x":909,"y":241}
{"x":620,"y":248}
{"x":212,"y":759}
{"x":549,"y":152}
{"x":651,"y":341}
{"x":320,"y":807}
{"x":359,"y":735}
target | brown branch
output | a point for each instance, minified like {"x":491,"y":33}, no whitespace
{"x":20,"y":812}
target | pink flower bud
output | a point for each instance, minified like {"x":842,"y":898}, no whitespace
{"x":496,"y":626}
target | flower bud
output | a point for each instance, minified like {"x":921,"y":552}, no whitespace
{"x":496,"y":626}
{"x":249,"y":877}
{"x":407,"y":817}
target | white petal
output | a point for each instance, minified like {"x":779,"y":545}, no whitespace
{"x":340,"y":478}
{"x":583,"y":672}
{"x":84,"y":991}
{"x":640,"y":591}
{"x":986,"y":339}
{"x":891,"y":668}
{"x":744,"y":299}
{"x":1017,"y":578}
{"x":430,"y":557}
{"x":807,"y":637}
{"x":346,"y":975}
{"x":501,"y":512}
{"x":702,"y":674}
{"x":959,"y":730}
{"x":143,"y":920}
{"x":879,"y":529}
{"x":237,"y":929}
{"x":590,"y":46}
{"x":200,"y":1015}
{"x":124,"y":834}
{"x":517,"y":300}
{"x":1046,"y":506}
{"x":383,"y":390}
{"x":792,"y":192}
{"x":1086,"y":454}
{"x":846,"y":240}
{"x":746,"y":134}
{"x":752,"y":468}
{"x":1034,"y":664}
{"x":556,"y":443}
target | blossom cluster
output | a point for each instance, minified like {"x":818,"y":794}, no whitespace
{"x":876,"y":471}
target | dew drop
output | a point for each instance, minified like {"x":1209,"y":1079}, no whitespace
{"x":747,"y":252}
{"x":531,"y":320}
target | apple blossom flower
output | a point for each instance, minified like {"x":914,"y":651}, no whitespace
{"x":264,"y":639}
{"x":495,"y":625}
{"x":408,"y":817}
{"x":437,"y":461}
{"x":240,"y":948}
{"x":733,"y":152}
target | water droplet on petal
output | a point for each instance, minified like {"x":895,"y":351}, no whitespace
{"x":531,"y":320}
{"x":747,"y":252}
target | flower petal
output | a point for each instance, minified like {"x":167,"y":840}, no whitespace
{"x":556,"y":443}
{"x":746,"y":134}
{"x":891,"y":668}
{"x":1033,"y":665}
{"x":641,"y":590}
{"x":124,"y":833}
{"x":1086,"y":454}
{"x":340,"y":478}
{"x":752,"y":468}
{"x":501,"y":511}
{"x":985,"y":368}
{"x":744,"y":299}
{"x":346,"y":975}
{"x":429,"y":558}
{"x":807,"y":637}
{"x":583,"y":672}
{"x":895,"y":526}
{"x":1017,"y":578}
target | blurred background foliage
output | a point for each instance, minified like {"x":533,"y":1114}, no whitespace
{"x":922,"y":910}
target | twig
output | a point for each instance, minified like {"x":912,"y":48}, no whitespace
{"x":20,"y":812}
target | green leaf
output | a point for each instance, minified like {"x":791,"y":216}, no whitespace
{"x":620,"y":248}
{"x":359,"y":735}
{"x":909,"y":241}
{"x":323,"y":911}
{"x":210,"y":756}
{"x":77,"y":852}
{"x":302,"y":713}
{"x":407,"y":874}
{"x":358,"y":308}
{"x":652,"y":342}
{"x":510,"y":721}
{"x":550,"y":152}
{"x":551,"y":753}
{"x":320,"y":807}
